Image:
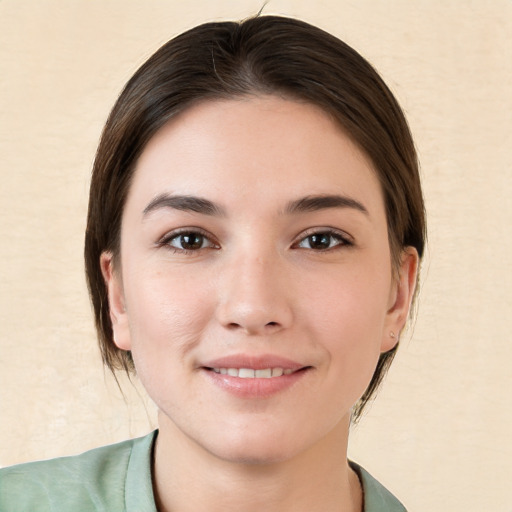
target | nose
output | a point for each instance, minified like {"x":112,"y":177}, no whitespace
{"x":253,"y":295}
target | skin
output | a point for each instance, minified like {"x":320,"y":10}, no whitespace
{"x":254,"y":283}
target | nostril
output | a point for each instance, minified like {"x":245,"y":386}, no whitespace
{"x":272,"y":324}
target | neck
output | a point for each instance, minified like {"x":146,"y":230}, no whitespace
{"x":187,"y":477}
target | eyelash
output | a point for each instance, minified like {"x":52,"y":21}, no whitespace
{"x":169,"y":237}
{"x":343,"y":240}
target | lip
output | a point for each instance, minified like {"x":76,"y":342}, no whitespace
{"x":254,"y":387}
{"x":253,"y":361}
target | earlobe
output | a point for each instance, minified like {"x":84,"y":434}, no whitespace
{"x":401,"y":299}
{"x":116,"y":302}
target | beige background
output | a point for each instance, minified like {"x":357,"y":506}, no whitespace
{"x":439,"y":433}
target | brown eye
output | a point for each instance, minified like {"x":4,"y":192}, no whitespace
{"x":189,"y":241}
{"x":322,"y":241}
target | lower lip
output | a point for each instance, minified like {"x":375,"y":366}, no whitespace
{"x":255,"y":388}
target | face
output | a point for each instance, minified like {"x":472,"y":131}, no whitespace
{"x":255,"y":287}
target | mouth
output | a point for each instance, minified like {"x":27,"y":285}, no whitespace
{"x":251,"y":373}
{"x":245,"y":366}
{"x":254,"y":376}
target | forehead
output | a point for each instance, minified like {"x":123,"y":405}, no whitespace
{"x":253,"y":150}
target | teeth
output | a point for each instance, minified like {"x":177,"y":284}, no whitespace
{"x":249,"y":373}
{"x":263,"y":374}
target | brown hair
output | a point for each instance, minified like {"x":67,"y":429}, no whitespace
{"x":261,"y":55}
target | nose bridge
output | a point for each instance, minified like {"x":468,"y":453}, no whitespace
{"x":254,"y":295}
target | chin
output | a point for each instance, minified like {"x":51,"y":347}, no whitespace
{"x":254,"y":454}
{"x":256,"y":445}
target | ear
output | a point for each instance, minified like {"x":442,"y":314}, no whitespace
{"x":116,"y":302}
{"x":401,"y":296}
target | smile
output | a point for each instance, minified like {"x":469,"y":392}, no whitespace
{"x":251,"y":376}
{"x":250,"y":373}
{"x":259,"y":382}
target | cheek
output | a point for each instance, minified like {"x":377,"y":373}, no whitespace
{"x":166,"y":311}
{"x":354,"y":303}
{"x":347,"y":320}
{"x":167,"y":317}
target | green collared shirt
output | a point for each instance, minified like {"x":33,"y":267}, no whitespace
{"x":116,"y":478}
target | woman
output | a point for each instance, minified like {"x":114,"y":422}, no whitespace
{"x":254,"y":233}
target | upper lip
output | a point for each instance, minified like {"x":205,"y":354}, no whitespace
{"x":256,"y":362}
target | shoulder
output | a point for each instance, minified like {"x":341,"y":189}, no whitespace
{"x":376,"y":497}
{"x":95,"y":480}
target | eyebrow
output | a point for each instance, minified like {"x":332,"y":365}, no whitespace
{"x":321,"y":202}
{"x":184,"y":203}
{"x":206,"y":207}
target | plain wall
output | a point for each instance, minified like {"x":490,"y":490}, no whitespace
{"x":439,"y":433}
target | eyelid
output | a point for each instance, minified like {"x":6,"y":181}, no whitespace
{"x":165,"y":239}
{"x":346,"y":239}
